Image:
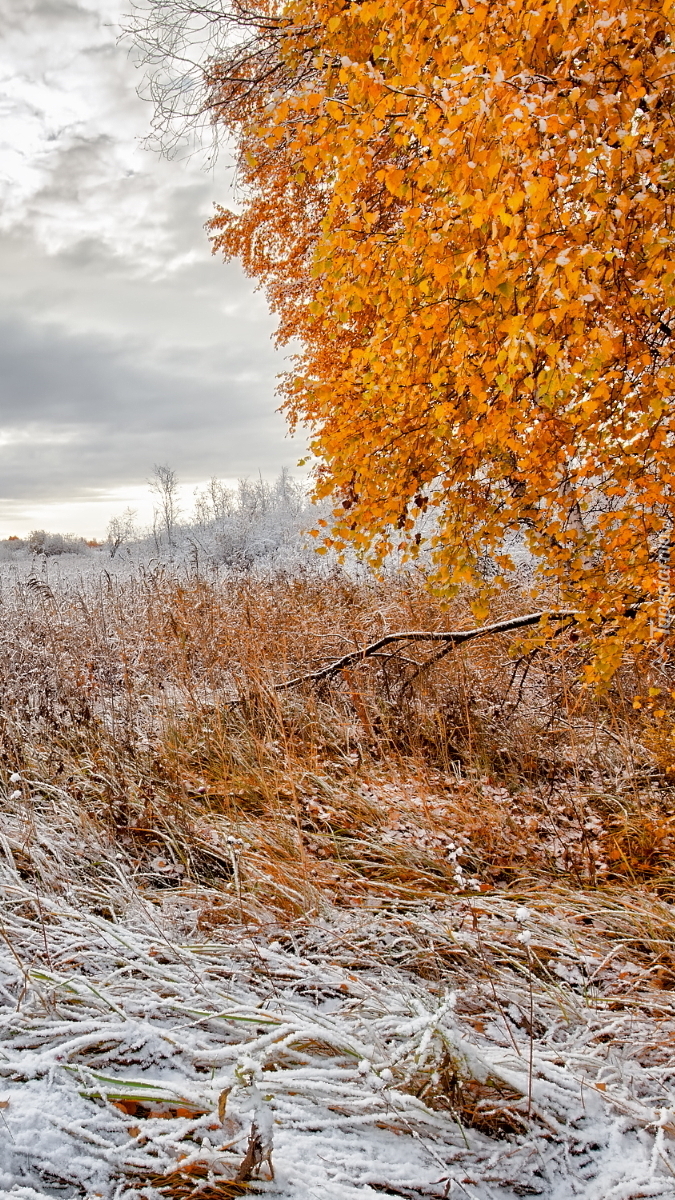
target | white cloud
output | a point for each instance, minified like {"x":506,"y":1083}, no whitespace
{"x":122,"y":341}
{"x":72,"y":162}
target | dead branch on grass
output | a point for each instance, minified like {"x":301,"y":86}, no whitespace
{"x":451,"y":637}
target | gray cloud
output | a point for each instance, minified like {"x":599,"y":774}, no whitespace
{"x":78,"y":412}
{"x":122,"y":342}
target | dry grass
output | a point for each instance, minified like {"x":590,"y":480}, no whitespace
{"x":149,"y":704}
{"x":172,"y":822}
{"x":405,"y":1052}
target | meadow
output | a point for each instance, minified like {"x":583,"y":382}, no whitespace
{"x":402,"y":927}
{"x":404,"y":931}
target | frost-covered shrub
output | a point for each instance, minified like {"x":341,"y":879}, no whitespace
{"x":41,"y":542}
{"x":258,"y":520}
{"x":255,"y":524}
{"x":11,"y":547}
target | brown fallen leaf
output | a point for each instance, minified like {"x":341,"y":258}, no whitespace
{"x":222,"y":1103}
{"x":256,"y":1154}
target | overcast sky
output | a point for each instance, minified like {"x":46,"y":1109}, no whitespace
{"x":123,"y":342}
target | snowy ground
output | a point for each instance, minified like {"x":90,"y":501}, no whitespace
{"x":481,"y":1050}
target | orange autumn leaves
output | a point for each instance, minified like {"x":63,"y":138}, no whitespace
{"x":464,"y":214}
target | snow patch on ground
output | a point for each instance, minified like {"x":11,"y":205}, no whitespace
{"x":134,"y":1060}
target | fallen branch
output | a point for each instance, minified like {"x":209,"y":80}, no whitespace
{"x":451,"y":638}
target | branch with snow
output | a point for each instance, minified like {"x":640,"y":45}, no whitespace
{"x":450,"y":638}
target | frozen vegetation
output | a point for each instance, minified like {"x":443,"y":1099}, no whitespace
{"x":408,"y":933}
{"x":257,"y":524}
{"x":144,"y":1054}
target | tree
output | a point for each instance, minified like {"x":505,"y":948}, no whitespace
{"x":214,"y":502}
{"x":120,"y":530}
{"x":164,"y":484}
{"x":464,"y":213}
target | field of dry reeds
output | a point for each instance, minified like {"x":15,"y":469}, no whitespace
{"x":150,"y":706}
{"x":468,"y":856}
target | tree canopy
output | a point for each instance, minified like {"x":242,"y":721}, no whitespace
{"x":463,"y":214}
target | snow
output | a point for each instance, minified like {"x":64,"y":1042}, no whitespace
{"x":329,"y":1046}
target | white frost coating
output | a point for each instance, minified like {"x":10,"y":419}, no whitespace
{"x":336,"y":1062}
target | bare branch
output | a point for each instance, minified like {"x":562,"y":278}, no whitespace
{"x":451,"y":638}
{"x":201,"y":59}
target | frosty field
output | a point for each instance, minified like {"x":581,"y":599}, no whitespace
{"x":408,"y":933}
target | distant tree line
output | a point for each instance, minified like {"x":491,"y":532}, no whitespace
{"x":234,"y":526}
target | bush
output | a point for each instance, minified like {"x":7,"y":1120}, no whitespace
{"x":41,"y":542}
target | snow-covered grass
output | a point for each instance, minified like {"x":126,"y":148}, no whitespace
{"x":418,"y":922}
{"x":480,"y":1048}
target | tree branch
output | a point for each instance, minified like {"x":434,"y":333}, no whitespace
{"x":450,"y":637}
